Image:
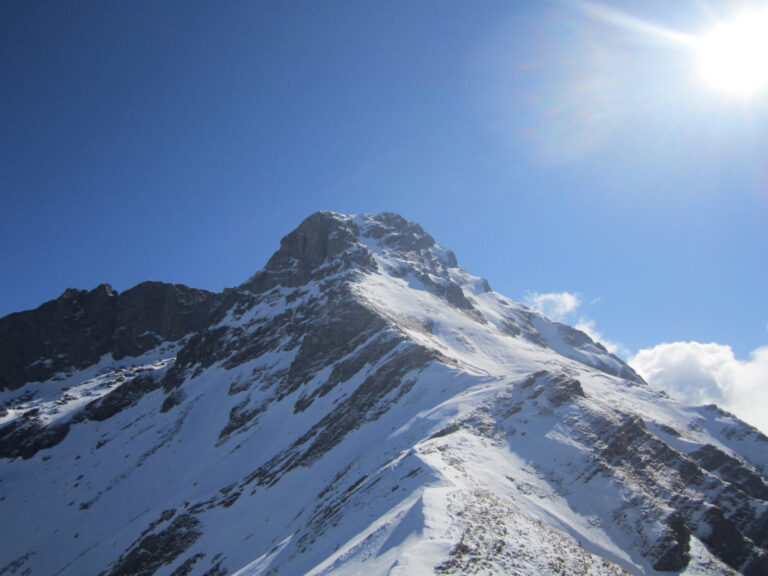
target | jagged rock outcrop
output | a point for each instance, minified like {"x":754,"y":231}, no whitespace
{"x":80,"y":326}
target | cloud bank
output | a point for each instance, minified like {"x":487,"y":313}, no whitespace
{"x":698,"y":373}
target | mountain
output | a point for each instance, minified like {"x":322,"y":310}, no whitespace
{"x":79,"y":327}
{"x":362,"y":404}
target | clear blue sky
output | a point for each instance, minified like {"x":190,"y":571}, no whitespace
{"x":552,"y":145}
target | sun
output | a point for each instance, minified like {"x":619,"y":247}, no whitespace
{"x":734,"y":57}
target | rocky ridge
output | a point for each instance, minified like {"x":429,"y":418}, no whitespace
{"x":79,"y":327}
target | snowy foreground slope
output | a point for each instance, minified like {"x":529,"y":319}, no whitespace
{"x":361,"y":405}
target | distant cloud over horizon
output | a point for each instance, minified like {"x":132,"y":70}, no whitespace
{"x":697,"y":374}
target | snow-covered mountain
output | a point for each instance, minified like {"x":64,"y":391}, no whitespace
{"x":361,"y":405}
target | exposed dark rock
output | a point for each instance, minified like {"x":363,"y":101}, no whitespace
{"x":186,"y":567}
{"x":326,"y":243}
{"x":73,"y":330}
{"x":757,"y":566}
{"x":26,"y":437}
{"x":80,"y":326}
{"x":731,"y":470}
{"x":240,"y":416}
{"x":369,"y":354}
{"x":628,"y":437}
{"x":17,"y":564}
{"x":344,"y":326}
{"x":330,"y":511}
{"x":669,"y":430}
{"x":154,"y":311}
{"x":674,"y":545}
{"x":447,"y":431}
{"x":397,"y":232}
{"x":202,"y":350}
{"x":174,"y":398}
{"x":319,"y":237}
{"x":165,"y":515}
{"x":155,"y":550}
{"x":725,"y":540}
{"x":532,"y":379}
{"x":455,"y":295}
{"x":258,"y":342}
{"x":122,"y":397}
{"x":563,"y":389}
{"x":369,"y":400}
{"x":733,"y":530}
{"x":322,"y":245}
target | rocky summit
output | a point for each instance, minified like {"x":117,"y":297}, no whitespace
{"x":360,"y":405}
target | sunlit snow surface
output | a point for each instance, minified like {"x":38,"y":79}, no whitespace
{"x":476,"y":469}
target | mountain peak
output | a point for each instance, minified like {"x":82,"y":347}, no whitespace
{"x":328,"y":243}
{"x":101,"y":291}
{"x":320,"y":237}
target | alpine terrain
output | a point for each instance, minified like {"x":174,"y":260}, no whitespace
{"x":362,"y":405}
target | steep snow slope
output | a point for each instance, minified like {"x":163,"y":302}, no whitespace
{"x":364,"y":404}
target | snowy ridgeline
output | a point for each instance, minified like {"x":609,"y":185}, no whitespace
{"x":365,"y":405}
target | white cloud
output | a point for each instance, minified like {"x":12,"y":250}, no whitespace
{"x":709,"y":373}
{"x":554,"y":305}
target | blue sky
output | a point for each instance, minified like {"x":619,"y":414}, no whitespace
{"x":555,"y":146}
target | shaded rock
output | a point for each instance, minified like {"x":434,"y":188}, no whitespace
{"x":725,"y":540}
{"x":344,"y":326}
{"x":124,"y":396}
{"x":757,"y":566}
{"x":155,"y":550}
{"x":152,"y":312}
{"x":186,"y":567}
{"x":370,"y":354}
{"x":323,"y":244}
{"x":564,"y":389}
{"x":731,"y":470}
{"x":174,"y":398}
{"x":73,"y":330}
{"x":368,"y":402}
{"x":26,"y":437}
{"x":80,"y":326}
{"x":672,"y":549}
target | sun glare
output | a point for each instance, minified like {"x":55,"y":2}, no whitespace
{"x":734,"y":57}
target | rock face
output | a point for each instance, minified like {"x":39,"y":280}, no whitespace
{"x":361,"y":404}
{"x":80,"y":326}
